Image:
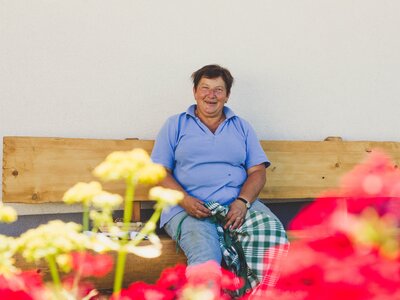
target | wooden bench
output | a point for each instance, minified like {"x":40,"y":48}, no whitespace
{"x":39,"y":170}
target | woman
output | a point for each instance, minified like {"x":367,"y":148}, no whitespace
{"x":211,"y":154}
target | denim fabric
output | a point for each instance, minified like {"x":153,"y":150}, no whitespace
{"x":199,"y":238}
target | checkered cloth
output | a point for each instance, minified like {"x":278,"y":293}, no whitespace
{"x":252,"y":251}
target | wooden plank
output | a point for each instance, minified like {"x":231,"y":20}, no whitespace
{"x":136,"y":268}
{"x":303,"y":169}
{"x":38,"y":170}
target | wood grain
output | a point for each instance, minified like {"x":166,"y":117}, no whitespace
{"x":38,"y":170}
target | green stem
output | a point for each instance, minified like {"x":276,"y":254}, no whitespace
{"x":129,"y":198}
{"x":121,"y":259}
{"x":147,"y":230}
{"x":85,"y":217}
{"x":119,"y":272}
{"x":53,"y":270}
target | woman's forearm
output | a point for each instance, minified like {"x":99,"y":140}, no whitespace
{"x":253,"y":184}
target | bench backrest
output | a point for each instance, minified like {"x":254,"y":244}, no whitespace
{"x":39,"y":169}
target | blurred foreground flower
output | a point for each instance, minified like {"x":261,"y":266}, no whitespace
{"x":82,"y":193}
{"x":207,"y":282}
{"x":50,"y":240}
{"x":165,"y":197}
{"x":87,"y":264}
{"x":7,"y":214}
{"x":7,"y":250}
{"x":349,"y":241}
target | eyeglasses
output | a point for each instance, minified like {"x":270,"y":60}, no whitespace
{"x":218,"y":91}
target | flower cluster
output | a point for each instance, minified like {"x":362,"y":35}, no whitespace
{"x":134,"y":165}
{"x":64,"y":245}
{"x":7,"y":214}
{"x":51,"y":239}
{"x":208,"y":282}
{"x":82,"y":193}
{"x":7,"y":250}
{"x":347,"y":244}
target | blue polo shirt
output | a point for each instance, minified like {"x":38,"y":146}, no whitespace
{"x":209,"y":166}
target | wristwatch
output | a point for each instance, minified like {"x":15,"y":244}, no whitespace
{"x":248,"y":204}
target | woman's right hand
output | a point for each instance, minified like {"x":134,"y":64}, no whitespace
{"x":194,"y":207}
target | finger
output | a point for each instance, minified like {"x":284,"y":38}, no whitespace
{"x":237,"y":223}
{"x":204,"y":210}
{"x":229,"y":222}
{"x":201,"y":214}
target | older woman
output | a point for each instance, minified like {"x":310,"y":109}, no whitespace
{"x":211,"y":154}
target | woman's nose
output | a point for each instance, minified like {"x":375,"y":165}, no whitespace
{"x":211,"y":93}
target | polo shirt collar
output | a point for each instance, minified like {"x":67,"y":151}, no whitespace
{"x":227,"y":111}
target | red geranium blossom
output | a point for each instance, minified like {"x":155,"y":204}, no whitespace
{"x":20,"y":286}
{"x":143,"y":291}
{"x":14,"y":295}
{"x":88,"y":264}
{"x":173,"y":278}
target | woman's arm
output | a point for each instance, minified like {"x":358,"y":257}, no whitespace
{"x":253,"y":185}
{"x":191,"y":205}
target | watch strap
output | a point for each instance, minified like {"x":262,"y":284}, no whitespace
{"x":244,"y":201}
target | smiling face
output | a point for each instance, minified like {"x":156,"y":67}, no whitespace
{"x":211,"y":96}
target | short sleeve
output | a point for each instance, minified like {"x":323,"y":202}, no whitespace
{"x":255,"y":154}
{"x":164,"y":147}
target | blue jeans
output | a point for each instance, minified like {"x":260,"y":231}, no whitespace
{"x":199,"y":239}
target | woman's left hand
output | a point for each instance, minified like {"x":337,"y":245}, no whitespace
{"x":236,"y":215}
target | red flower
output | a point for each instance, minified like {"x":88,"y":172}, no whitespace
{"x":20,"y":285}
{"x":143,"y":291}
{"x":374,"y":183}
{"x":337,"y":246}
{"x":88,"y":264}
{"x":317,"y":213}
{"x":305,"y":279}
{"x":230,"y":281}
{"x":173,"y":278}
{"x":340,"y":290}
{"x":14,"y":295}
{"x":84,"y":287}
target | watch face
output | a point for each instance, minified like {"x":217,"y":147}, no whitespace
{"x":248,"y":204}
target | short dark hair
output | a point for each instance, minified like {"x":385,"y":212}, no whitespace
{"x":213,"y":71}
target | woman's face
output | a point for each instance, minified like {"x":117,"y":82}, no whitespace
{"x":210,"y":96}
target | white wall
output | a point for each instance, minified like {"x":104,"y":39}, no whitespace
{"x":114,"y":69}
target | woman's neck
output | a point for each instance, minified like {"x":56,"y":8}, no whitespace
{"x":213,"y":122}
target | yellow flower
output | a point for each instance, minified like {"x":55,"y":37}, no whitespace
{"x":82,"y":193}
{"x":122,"y":164}
{"x":151,"y":174}
{"x":101,"y":219}
{"x":7,"y":214}
{"x":165,"y":197}
{"x":200,"y":292}
{"x":372,"y":230}
{"x":100,"y":242}
{"x":106,"y":200}
{"x":7,"y":250}
{"x":380,"y":231}
{"x":53,"y":238}
{"x":64,"y":261}
{"x":152,"y":250}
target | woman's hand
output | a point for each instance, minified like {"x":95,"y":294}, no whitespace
{"x":236,"y":215}
{"x":195,"y":207}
